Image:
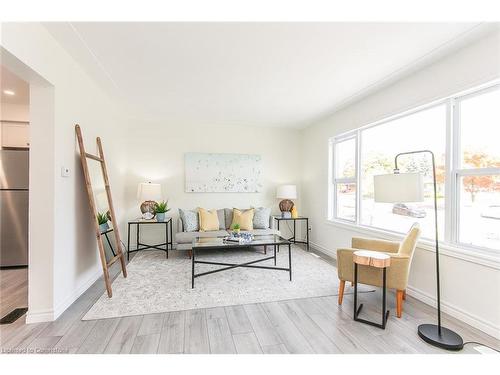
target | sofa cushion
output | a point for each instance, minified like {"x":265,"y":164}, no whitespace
{"x":190,"y":222}
{"x":209,"y":220}
{"x":222,"y":219}
{"x":261,"y":218}
{"x":228,"y":217}
{"x":188,"y":237}
{"x":243,"y":218}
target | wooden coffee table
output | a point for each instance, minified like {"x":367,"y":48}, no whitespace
{"x":377,"y":260}
{"x":202,"y":243}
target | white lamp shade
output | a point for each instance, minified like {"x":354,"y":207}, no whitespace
{"x":286,"y":192}
{"x":399,"y":188}
{"x":149,"y":192}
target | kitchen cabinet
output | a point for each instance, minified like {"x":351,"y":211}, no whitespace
{"x":15,"y":135}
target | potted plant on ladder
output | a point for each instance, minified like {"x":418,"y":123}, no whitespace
{"x":102,"y":220}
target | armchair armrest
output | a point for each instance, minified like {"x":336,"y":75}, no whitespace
{"x":375,"y":245}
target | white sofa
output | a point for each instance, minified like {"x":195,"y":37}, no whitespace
{"x":184,"y":239}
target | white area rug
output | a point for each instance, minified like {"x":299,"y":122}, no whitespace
{"x":155,"y":284}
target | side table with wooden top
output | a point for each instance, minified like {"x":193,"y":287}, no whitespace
{"x":377,"y":260}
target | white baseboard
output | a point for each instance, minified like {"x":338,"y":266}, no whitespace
{"x":456,"y":312}
{"x":323,"y":249}
{"x":428,"y":299}
{"x":39,"y":316}
{"x":74,"y":295}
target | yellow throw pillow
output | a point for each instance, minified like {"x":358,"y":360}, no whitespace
{"x":243,"y":218}
{"x":208,"y":220}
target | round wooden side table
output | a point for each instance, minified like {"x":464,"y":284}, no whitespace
{"x":377,"y":260}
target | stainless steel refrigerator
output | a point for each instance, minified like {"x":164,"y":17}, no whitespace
{"x":14,"y":199}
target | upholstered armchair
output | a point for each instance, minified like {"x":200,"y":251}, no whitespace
{"x":401,"y":254}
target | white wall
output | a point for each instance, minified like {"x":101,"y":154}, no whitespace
{"x":156,"y":153}
{"x":470,"y":291}
{"x":65,"y":245}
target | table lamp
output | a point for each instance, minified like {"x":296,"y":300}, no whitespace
{"x":286,"y":193}
{"x":148,"y":194}
{"x":409,"y":187}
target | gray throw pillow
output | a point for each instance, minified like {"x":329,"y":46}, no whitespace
{"x":261,"y":218}
{"x":228,"y":216}
{"x":190,"y":220}
{"x":222,"y":219}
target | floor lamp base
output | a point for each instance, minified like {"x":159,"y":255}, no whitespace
{"x":448,"y":339}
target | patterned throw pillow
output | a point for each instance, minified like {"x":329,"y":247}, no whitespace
{"x":190,"y":222}
{"x":261,"y":218}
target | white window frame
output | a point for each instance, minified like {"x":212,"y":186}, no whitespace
{"x":457,"y":172}
{"x":333,"y":181}
{"x":450,"y":238}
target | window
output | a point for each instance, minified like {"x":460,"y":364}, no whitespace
{"x":478,"y":172}
{"x":418,"y":131}
{"x":460,"y":132}
{"x":344,"y":179}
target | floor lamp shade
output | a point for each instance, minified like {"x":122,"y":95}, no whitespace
{"x":399,"y":188}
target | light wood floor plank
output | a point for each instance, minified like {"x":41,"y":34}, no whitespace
{"x":294,"y":341}
{"x":247,"y":343}
{"x":196,"y":334}
{"x":238,"y":320}
{"x":76,"y":335}
{"x":319,"y":342}
{"x":99,"y":336}
{"x":145,"y":344}
{"x":219,"y":333}
{"x":151,"y":324}
{"x":262,"y":326}
{"x":123,"y":338}
{"x":172,"y":334}
{"x":274,"y":349}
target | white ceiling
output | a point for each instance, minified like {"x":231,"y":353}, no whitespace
{"x":261,"y":74}
{"x":10,"y":81}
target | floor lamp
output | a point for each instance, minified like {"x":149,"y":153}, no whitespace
{"x":409,"y":187}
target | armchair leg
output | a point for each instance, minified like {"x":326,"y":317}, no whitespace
{"x":399,"y":303}
{"x":404,"y":295}
{"x":341,"y":291}
{"x":190,"y":254}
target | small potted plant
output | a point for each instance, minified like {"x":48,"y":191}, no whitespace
{"x":161,"y":208}
{"x":102,"y":220}
{"x":236,"y":229}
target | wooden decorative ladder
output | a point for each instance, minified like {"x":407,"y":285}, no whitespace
{"x":88,"y":183}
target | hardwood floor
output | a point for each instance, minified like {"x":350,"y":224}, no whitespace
{"x":13,"y":289}
{"x":308,"y":325}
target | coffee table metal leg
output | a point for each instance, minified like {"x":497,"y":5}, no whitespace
{"x":274,"y":247}
{"x":290,"y":260}
{"x":192,"y":268}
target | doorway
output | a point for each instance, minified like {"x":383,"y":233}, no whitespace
{"x":14,"y":195}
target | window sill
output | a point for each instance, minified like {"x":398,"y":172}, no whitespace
{"x":470,"y":254}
